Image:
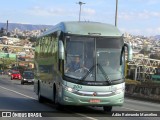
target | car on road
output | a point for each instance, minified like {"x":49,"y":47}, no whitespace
{"x":27,"y":77}
{"x":9,"y":72}
{"x":16,"y":75}
{"x":1,"y":72}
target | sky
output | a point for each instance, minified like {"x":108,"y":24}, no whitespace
{"x":137,"y":17}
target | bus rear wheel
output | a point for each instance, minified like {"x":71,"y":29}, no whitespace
{"x":107,"y":108}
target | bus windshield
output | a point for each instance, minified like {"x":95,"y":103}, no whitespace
{"x":93,"y":58}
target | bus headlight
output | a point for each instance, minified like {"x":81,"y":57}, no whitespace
{"x":68,"y":88}
{"x":117,"y":90}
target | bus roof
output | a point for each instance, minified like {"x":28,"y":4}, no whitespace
{"x":85,"y":28}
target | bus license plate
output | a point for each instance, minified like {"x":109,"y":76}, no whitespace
{"x":94,"y":101}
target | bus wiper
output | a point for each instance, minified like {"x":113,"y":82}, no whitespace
{"x":104,"y":73}
{"x":89,"y":71}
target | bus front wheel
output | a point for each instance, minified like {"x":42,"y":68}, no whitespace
{"x":107,"y":108}
{"x":40,"y":98}
{"x":56,"y":102}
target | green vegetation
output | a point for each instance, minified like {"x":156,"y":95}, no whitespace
{"x":6,"y":62}
{"x":133,"y":82}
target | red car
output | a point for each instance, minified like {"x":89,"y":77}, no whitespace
{"x":16,"y":75}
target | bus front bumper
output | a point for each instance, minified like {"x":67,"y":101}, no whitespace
{"x":69,"y":98}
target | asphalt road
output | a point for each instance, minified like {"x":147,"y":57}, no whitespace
{"x":21,"y":98}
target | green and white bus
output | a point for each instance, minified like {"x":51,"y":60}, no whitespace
{"x":100,"y":79}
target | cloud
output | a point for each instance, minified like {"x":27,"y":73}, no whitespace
{"x":39,"y":11}
{"x":50,"y":12}
{"x":89,"y":11}
{"x":131,"y":31}
{"x":153,"y":31}
{"x":149,"y":2}
{"x":146,"y":32}
{"x":145,"y":14}
{"x":126,"y":15}
{"x":59,"y":13}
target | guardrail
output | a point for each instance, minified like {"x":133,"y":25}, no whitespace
{"x":144,"y":91}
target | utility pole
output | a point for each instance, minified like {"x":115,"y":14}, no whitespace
{"x":16,"y":61}
{"x":7,"y":27}
{"x":116,"y":13}
{"x":80,"y":4}
{"x":3,"y":63}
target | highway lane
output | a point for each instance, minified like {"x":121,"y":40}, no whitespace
{"x":17,"y":97}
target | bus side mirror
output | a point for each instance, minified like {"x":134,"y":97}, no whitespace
{"x":61,"y":50}
{"x":129,"y":50}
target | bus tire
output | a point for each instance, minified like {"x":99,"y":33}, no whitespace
{"x":56,"y":102}
{"x":107,"y":108}
{"x":55,"y":97}
{"x":54,"y":93}
{"x":40,"y":98}
{"x":22,"y":83}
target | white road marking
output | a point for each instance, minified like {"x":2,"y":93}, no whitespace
{"x":91,"y":118}
{"x":130,"y":109}
{"x":18,"y":93}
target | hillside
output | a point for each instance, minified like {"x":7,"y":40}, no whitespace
{"x":23,"y":27}
{"x":157,"y":37}
{"x":31,"y":27}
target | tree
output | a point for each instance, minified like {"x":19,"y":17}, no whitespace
{"x":155,"y":56}
{"x":2,"y":31}
{"x":146,"y":50}
{"x":15,"y":36}
{"x":8,"y":34}
{"x":5,"y":62}
{"x":22,"y":37}
{"x":32,"y":39}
